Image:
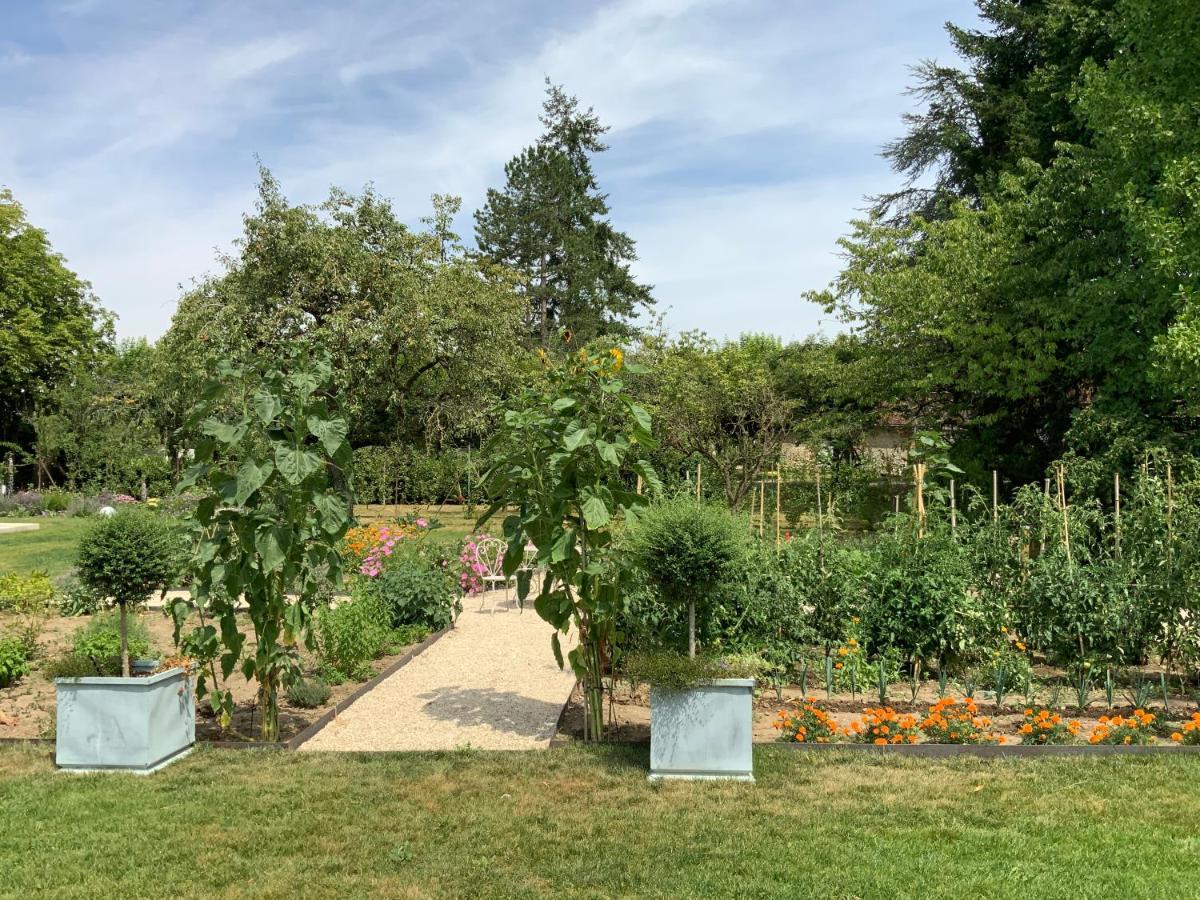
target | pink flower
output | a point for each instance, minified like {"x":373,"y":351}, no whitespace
{"x":422,"y":523}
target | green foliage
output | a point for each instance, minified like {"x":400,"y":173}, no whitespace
{"x":688,"y":547}
{"x":14,"y":660}
{"x":411,"y":592}
{"x":57,"y":501}
{"x":550,"y":223}
{"x":677,"y":672}
{"x":53,"y":325}
{"x":400,"y":473}
{"x":26,"y":594}
{"x":565,"y":459}
{"x":98,"y":642}
{"x":417,"y":329}
{"x":352,"y":634}
{"x":720,"y":403}
{"x":77,"y":599}
{"x":307,"y":693}
{"x":128,"y":556}
{"x":273,"y":463}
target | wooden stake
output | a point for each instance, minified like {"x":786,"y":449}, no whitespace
{"x":1062,"y":500}
{"x":953,"y":509}
{"x":639,"y":484}
{"x":819,"y":523}
{"x":1170,"y":509}
{"x":698,"y":481}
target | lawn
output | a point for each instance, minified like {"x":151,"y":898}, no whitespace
{"x":51,"y":548}
{"x":584,"y":823}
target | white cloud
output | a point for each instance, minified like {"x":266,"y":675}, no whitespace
{"x":132,"y":140}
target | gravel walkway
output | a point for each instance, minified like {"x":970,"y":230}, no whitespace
{"x":491,"y":682}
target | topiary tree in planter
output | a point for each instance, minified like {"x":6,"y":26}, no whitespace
{"x":687,"y":548}
{"x":127,"y":557}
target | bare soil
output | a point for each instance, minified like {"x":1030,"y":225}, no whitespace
{"x":27,"y":707}
{"x":628,"y":712}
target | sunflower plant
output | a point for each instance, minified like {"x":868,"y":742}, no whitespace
{"x":566,"y":457}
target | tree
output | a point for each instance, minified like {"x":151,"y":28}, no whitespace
{"x":417,"y":330}
{"x":51,"y":324}
{"x":550,"y":222}
{"x":274,"y":463}
{"x":721,"y":403}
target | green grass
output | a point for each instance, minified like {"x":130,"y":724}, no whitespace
{"x":51,"y":548}
{"x":581,"y":822}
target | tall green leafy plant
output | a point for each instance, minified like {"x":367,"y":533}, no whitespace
{"x":274,"y":460}
{"x":566,"y":457}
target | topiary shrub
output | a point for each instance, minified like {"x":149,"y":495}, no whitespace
{"x":128,"y":557}
{"x":687,"y":548}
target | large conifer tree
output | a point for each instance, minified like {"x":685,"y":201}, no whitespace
{"x":550,"y":222}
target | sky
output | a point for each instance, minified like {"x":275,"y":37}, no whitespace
{"x":745,"y":134}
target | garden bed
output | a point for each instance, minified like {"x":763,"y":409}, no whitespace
{"x":27,"y":706}
{"x":630,"y":715}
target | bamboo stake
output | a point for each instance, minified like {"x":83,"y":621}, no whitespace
{"x":1062,"y":500}
{"x":778,"y":501}
{"x":1117,"y":511}
{"x":639,"y":484}
{"x":995,"y":496}
{"x":819,"y":522}
{"x":698,"y":481}
{"x":1170,"y":509}
{"x":762,"y":506}
{"x":953,"y":509}
{"x":919,"y":477}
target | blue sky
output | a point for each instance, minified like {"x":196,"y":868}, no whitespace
{"x":745,"y":133}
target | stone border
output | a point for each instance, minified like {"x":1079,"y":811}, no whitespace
{"x":330,"y":715}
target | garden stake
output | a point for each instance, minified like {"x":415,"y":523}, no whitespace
{"x":1108,"y":687}
{"x":1117,"y":513}
{"x":953,"y":509}
{"x":829,"y":677}
{"x":995,"y":496}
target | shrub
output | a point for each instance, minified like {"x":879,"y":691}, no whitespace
{"x":14,"y":660}
{"x":307,"y":693}
{"x":407,"y":635}
{"x":127,"y":557}
{"x":79,"y":506}
{"x":100,"y":641}
{"x":352,"y":634}
{"x":1043,"y":727}
{"x":29,"y":503}
{"x":413,"y":593}
{"x":57,"y":501}
{"x":686,"y":548}
{"x":26,"y":593}
{"x":808,"y":725}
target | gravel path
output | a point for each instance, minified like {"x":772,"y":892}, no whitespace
{"x":491,"y":682}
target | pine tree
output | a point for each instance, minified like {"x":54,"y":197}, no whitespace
{"x":550,"y":222}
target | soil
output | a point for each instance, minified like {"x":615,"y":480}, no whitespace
{"x":27,"y":707}
{"x":628,"y":713}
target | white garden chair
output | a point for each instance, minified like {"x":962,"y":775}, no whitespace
{"x":490,"y":553}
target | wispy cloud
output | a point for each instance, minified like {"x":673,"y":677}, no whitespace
{"x":744,"y":132}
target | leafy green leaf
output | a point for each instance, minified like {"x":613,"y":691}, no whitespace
{"x":295,"y":463}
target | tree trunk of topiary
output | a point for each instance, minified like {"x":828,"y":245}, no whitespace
{"x":692,"y":629}
{"x":124,"y":642}
{"x":268,"y":704}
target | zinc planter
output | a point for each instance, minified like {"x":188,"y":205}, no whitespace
{"x":703,"y":732}
{"x":135,"y":724}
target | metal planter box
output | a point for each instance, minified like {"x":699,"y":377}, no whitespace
{"x":136,"y":724}
{"x":704,"y":732}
